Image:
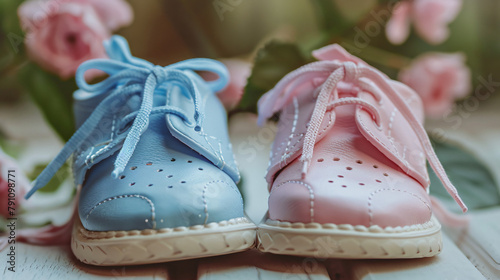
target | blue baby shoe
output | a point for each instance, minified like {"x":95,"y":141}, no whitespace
{"x":153,"y":162}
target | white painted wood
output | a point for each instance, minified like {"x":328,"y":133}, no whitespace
{"x":58,"y":262}
{"x":253,"y":265}
{"x":450,"y":264}
{"x":481,"y":241}
{"x":476,"y":130}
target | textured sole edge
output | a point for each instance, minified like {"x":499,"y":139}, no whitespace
{"x":350,"y":243}
{"x":144,"y":247}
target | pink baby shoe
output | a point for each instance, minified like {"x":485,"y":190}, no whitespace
{"x":347,"y":174}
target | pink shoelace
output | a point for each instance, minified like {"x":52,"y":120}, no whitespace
{"x":368,"y":80}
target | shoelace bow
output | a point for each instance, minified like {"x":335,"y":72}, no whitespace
{"x":129,"y":76}
{"x":368,"y":80}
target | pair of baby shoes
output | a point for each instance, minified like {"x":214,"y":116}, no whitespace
{"x":157,"y":178}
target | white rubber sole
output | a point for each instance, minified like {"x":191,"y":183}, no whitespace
{"x":350,"y":242}
{"x":162,"y":245}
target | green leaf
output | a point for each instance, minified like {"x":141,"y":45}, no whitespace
{"x":56,"y":181}
{"x":272,"y":63}
{"x":52,"y":96}
{"x":473,"y":180}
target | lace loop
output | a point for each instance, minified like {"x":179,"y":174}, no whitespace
{"x":129,"y":76}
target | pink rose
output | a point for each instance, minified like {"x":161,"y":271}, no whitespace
{"x":19,"y":184}
{"x":239,"y":71}
{"x":61,"y":34}
{"x":439,"y":79}
{"x":430,"y":18}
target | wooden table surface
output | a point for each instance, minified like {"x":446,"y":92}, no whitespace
{"x":470,"y":254}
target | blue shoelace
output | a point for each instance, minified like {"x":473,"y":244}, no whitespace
{"x":129,"y":76}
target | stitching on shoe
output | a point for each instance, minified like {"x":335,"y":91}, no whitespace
{"x":219,"y":155}
{"x":205,"y":204}
{"x":222,"y":156}
{"x":121,"y":233}
{"x":349,"y":227}
{"x":202,"y":133}
{"x":391,"y":121}
{"x":100,"y":151}
{"x":328,"y":126}
{"x":283,"y":143}
{"x":203,"y":196}
{"x":311,"y":194}
{"x":403,"y":160}
{"x":153,"y":221}
{"x":370,"y":199}
{"x":88,"y":157}
{"x":397,"y":155}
